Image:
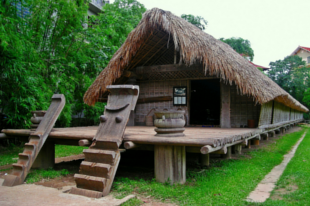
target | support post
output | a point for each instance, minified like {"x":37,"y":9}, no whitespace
{"x":228,"y":154}
{"x":170,"y":164}
{"x":249,"y":144}
{"x":46,"y":156}
{"x":205,"y":159}
{"x":238,"y":148}
{"x":225,"y":105}
{"x":256,"y":141}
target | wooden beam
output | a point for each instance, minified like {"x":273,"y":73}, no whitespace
{"x":208,"y":149}
{"x":84,"y":142}
{"x":3,"y":136}
{"x":223,"y":150}
{"x":225,"y":106}
{"x":130,"y":145}
{"x":146,"y":100}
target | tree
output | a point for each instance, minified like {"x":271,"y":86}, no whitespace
{"x":51,"y":51}
{"x":198,"y":21}
{"x":242,"y":46}
{"x":291,"y":74}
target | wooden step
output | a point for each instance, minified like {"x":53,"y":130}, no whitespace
{"x":90,"y":182}
{"x":95,"y":169}
{"x":106,"y":145}
{"x":100,"y":156}
{"x":86,"y":193}
{"x":18,"y":166}
{"x":23,"y":156}
{"x":30,"y":146}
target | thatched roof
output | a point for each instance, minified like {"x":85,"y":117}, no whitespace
{"x":159,"y":30}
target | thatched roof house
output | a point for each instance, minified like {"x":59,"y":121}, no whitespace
{"x":162,"y":38}
{"x":194,"y":46}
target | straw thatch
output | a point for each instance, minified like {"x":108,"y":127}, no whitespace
{"x":159,"y":30}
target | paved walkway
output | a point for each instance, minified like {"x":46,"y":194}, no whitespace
{"x":265,"y":187}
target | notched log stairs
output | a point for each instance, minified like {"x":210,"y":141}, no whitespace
{"x":98,"y":170}
{"x":36,"y":142}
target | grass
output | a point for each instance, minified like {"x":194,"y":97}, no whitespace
{"x":227,"y":182}
{"x":9,"y":155}
{"x":64,"y":150}
{"x":297,"y":173}
{"x":36,"y":175}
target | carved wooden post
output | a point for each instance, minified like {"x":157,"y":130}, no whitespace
{"x":225,"y":105}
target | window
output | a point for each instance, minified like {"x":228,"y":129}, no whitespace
{"x":308,"y":59}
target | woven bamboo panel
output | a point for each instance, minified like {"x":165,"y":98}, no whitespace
{"x":277,"y":110}
{"x":281,"y":113}
{"x":242,"y":109}
{"x":156,"y":89}
{"x":265,"y":116}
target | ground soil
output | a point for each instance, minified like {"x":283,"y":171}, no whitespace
{"x":130,"y":167}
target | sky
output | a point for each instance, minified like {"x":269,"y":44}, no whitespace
{"x":275,"y":28}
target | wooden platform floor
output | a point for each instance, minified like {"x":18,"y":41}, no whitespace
{"x":194,"y":136}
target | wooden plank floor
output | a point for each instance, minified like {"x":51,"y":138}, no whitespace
{"x":194,"y":136}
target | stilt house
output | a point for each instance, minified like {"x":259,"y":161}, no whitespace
{"x":177,"y":65}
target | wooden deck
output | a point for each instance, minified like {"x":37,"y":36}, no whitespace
{"x":194,"y":136}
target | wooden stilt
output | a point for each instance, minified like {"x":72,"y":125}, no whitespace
{"x":228,"y":154}
{"x":256,"y":142}
{"x":170,"y":164}
{"x":249,"y":144}
{"x":205,"y":159}
{"x":238,"y":148}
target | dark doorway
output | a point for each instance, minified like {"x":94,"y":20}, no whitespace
{"x":205,"y":102}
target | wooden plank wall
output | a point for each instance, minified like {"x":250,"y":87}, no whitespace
{"x":265,"y":117}
{"x":243,"y":108}
{"x":156,"y":89}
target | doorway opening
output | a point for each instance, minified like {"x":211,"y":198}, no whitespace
{"x":205,"y":104}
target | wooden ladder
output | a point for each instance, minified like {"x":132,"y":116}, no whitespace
{"x":36,"y":142}
{"x":97,"y":171}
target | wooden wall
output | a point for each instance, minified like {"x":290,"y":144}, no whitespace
{"x":156,"y":89}
{"x":266,"y":111}
{"x":243,"y":108}
{"x":275,"y":113}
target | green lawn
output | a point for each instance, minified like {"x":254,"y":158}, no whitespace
{"x":296,"y":176}
{"x":9,"y":155}
{"x":64,"y":150}
{"x":227,"y":182}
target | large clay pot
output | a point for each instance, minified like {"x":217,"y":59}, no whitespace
{"x":169,"y":123}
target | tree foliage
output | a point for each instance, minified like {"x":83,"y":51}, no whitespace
{"x":291,"y":74}
{"x":51,"y":50}
{"x":198,"y":21}
{"x":242,"y":46}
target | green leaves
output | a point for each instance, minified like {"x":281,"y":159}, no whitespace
{"x":197,"y":21}
{"x":51,"y":51}
{"x":242,"y":46}
{"x":291,"y":74}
